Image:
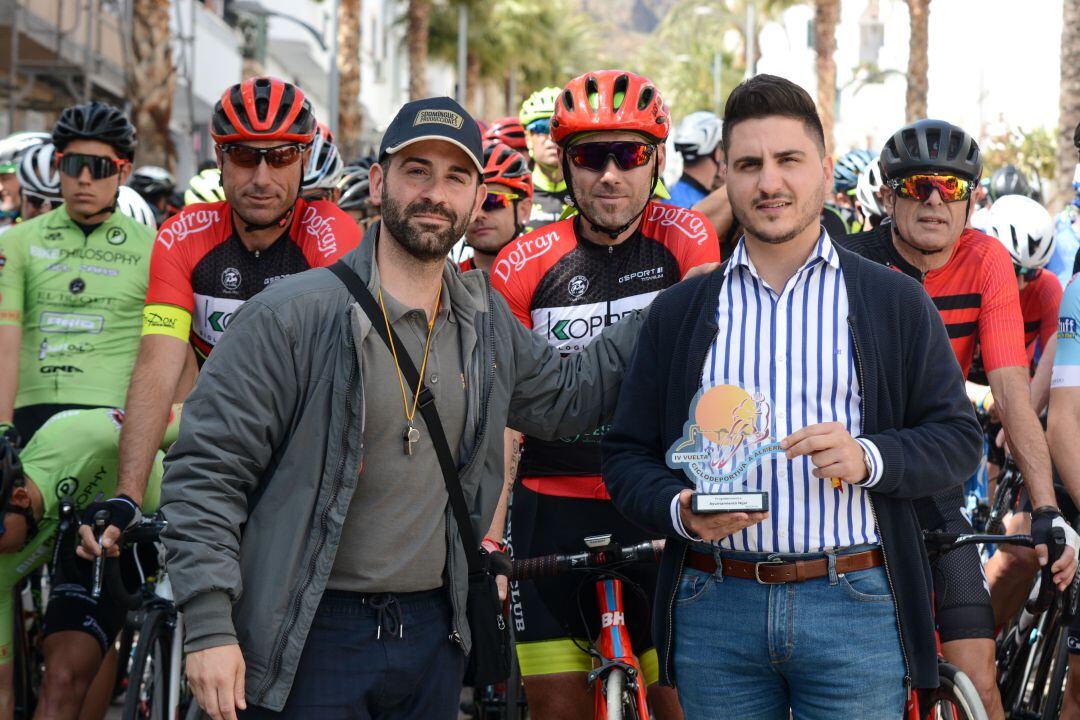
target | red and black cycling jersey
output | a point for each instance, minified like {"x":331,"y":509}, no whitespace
{"x":568,"y":290}
{"x":200,"y":271}
{"x":1040,"y":300}
{"x":466,"y":265}
{"x":975,"y":292}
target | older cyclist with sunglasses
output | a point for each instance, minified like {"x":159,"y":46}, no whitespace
{"x":931,"y":168}
{"x":567,"y":282}
{"x":73,"y":280}
{"x":212,"y":257}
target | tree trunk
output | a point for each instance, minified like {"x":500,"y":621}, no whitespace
{"x":826,"y":17}
{"x":918,"y":64}
{"x":472,"y":81}
{"x":417,"y":37}
{"x":348,"y":60}
{"x":1068,"y":106}
{"x":151,"y":82}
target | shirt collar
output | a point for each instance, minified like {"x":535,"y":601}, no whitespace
{"x":824,"y":250}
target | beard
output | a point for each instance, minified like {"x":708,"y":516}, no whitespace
{"x":607,"y":217}
{"x":421,"y":240}
{"x":807,"y":214}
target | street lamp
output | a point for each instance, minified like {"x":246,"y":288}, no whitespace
{"x":253,"y":7}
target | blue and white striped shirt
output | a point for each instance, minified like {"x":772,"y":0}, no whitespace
{"x":792,"y":352}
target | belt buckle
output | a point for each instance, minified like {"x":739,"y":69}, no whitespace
{"x":757,"y":570}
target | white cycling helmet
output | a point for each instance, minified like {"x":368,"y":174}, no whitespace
{"x":868,"y":189}
{"x":698,"y":135}
{"x":132,"y":204}
{"x":1025,"y":228}
{"x":15,"y":144}
{"x":37,"y":175}
{"x":323,"y":170}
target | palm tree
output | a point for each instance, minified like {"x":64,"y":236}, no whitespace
{"x":1069,"y":103}
{"x":826,"y":17}
{"x":348,"y":60}
{"x":151,"y":81}
{"x":918,"y":63}
{"x":416,"y":33}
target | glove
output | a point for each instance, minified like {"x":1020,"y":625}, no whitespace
{"x":123,"y":512}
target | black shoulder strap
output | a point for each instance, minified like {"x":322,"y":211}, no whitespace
{"x":427,"y":410}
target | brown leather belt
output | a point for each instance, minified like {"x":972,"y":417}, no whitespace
{"x":772,"y":572}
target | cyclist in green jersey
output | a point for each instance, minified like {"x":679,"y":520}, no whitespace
{"x":74,"y":455}
{"x":549,"y":188}
{"x":73,"y":281}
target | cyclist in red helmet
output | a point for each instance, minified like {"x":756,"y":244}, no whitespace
{"x":509,"y":131}
{"x":212,"y":257}
{"x":567,"y":281}
{"x":506,"y":208}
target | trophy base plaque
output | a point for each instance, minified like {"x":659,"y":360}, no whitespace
{"x":729,"y":502}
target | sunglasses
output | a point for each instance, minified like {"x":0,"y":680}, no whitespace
{"x":919,"y":187}
{"x":498,"y":201}
{"x":278,"y":156}
{"x":626,"y":154}
{"x":540,"y":127}
{"x":101,"y":167}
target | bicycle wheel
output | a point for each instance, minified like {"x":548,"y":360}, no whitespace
{"x":621,"y":701}
{"x":1046,"y":656}
{"x":148,"y":680}
{"x":1055,"y":690}
{"x":955,"y":697}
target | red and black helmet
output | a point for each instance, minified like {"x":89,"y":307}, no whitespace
{"x":610,"y":100}
{"x":509,"y":131}
{"x":262,"y":108}
{"x":505,"y":166}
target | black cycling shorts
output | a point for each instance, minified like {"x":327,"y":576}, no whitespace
{"x":547,"y":608}
{"x":962,"y":608}
{"x":72,"y":608}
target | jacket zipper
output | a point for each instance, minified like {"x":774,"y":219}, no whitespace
{"x":873,"y":509}
{"x":275,"y":667}
{"x":489,"y":356}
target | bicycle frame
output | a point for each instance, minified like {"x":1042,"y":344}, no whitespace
{"x":614,"y":646}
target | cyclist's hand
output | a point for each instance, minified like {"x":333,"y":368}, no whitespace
{"x":216,"y":676}
{"x":832,"y":450}
{"x":123,"y":514}
{"x":1043,"y":521}
{"x":1065,"y":568}
{"x":714,"y":526}
{"x":702,"y":269}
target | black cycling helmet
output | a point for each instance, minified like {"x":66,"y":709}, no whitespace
{"x":151,"y":181}
{"x":932,"y":146}
{"x":1009,"y":181}
{"x":96,"y":121}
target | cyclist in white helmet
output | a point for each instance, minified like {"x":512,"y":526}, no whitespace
{"x":868,"y":195}
{"x":132,"y":204}
{"x":698,"y":141}
{"x":39,"y":181}
{"x":11,"y":148}
{"x":324,"y":169}
{"x":205,"y":187}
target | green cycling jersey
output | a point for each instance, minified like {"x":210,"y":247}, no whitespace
{"x":75,"y":454}
{"x":78,"y":297}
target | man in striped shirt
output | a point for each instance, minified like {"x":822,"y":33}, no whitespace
{"x":930,"y":169}
{"x":805,"y":372}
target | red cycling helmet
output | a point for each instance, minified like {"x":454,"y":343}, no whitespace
{"x":610,"y":100}
{"x":262,"y":108}
{"x":505,"y":166}
{"x":509,"y":131}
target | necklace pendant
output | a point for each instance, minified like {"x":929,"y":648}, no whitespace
{"x":410,"y":436}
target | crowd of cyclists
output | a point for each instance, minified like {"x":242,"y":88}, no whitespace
{"x":117,"y":281}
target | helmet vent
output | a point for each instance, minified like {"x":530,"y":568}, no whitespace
{"x":592,"y":92}
{"x":618,"y":94}
{"x":568,"y":101}
{"x":933,"y":143}
{"x":646,"y":97}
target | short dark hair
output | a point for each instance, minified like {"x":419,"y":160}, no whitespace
{"x":765,"y":96}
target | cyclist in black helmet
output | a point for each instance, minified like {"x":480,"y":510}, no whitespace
{"x":1008,"y":180}
{"x":156,"y":185}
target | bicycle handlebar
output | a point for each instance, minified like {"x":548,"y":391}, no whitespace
{"x":1047,"y":589}
{"x":939,"y":543}
{"x":558,"y":564}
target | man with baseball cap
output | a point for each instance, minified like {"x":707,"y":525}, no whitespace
{"x":310,"y":542}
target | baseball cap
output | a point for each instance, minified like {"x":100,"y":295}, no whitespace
{"x":436,"y":118}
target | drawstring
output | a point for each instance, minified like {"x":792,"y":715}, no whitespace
{"x":389,"y":617}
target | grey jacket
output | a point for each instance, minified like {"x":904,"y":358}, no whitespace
{"x":271,"y":444}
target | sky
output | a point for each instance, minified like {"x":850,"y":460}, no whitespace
{"x":989,"y":59}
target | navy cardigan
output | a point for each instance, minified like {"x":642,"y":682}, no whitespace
{"x":914,"y":408}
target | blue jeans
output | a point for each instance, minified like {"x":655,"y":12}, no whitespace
{"x":825,"y":648}
{"x":355,"y":665}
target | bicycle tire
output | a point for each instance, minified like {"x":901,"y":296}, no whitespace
{"x":1012,"y":662}
{"x":147,"y":682}
{"x":1046,"y":650}
{"x":957,"y":693}
{"x":614,"y":686}
{"x":1055,"y":692}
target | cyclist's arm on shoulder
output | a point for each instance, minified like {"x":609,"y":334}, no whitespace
{"x":155,"y":379}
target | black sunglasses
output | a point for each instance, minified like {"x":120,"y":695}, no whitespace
{"x":101,"y":167}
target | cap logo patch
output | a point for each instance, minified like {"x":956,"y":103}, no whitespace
{"x":441,"y":117}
